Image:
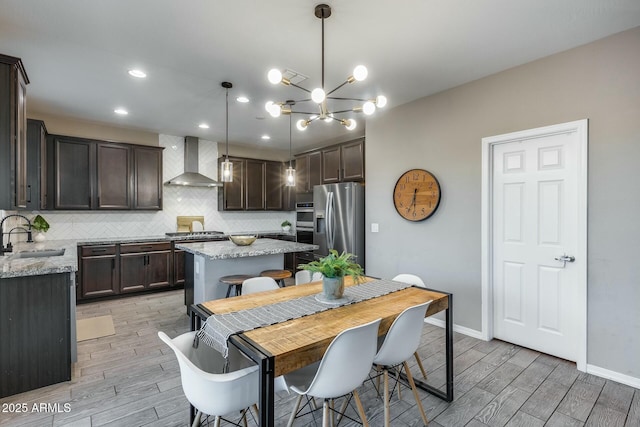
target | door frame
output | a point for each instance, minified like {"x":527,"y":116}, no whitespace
{"x":488,"y":143}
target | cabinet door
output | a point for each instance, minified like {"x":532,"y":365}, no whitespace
{"x":36,"y":165}
{"x":99,"y":276}
{"x":21,"y":142}
{"x":74,"y":166}
{"x":302,"y":174}
{"x":331,"y":165}
{"x":113,"y":167}
{"x":352,"y":158}
{"x":274,"y":185}
{"x":178,"y":267}
{"x":133,"y":272}
{"x":255,"y":187}
{"x":158,"y":269}
{"x":232,"y":197}
{"x":315,"y":169}
{"x":147,"y":180}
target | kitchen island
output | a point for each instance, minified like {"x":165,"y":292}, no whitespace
{"x":207,"y":262}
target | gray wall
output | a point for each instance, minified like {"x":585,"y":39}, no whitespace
{"x":442,"y":133}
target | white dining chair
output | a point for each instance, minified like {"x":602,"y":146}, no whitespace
{"x":305,"y":276}
{"x":344,"y":367}
{"x":258,"y":284}
{"x":412,"y":279}
{"x":215,"y":394}
{"x":401,"y":341}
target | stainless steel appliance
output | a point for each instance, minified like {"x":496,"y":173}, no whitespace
{"x":338,"y":219}
{"x":304,"y":222}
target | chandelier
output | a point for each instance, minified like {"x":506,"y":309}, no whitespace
{"x":320,"y":96}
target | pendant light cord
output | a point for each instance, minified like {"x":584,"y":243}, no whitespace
{"x":227,"y":124}
{"x":289,"y":141}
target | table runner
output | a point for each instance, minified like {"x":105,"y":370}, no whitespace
{"x":217,"y":329}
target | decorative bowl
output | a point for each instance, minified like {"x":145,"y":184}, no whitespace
{"x":243,"y":240}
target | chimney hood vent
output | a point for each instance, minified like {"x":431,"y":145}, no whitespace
{"x":191,"y":177}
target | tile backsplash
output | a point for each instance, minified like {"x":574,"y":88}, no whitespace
{"x":177,"y":201}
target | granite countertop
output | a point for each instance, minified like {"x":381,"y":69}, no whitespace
{"x":19,"y":267}
{"x":227,"y":249}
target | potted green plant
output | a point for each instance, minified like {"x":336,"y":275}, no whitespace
{"x":334,"y":267}
{"x":40,"y":226}
{"x":286,"y":225}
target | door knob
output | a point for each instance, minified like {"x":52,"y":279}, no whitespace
{"x":565,"y":259}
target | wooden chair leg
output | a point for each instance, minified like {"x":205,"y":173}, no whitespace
{"x":415,"y":394}
{"x":216,"y":423}
{"x":196,"y":419}
{"x":295,"y":410}
{"x":424,"y":374}
{"x":387,"y":417}
{"x":398,"y":384}
{"x":255,"y":409}
{"x":244,"y":417}
{"x":325,"y":413}
{"x":363,"y":416}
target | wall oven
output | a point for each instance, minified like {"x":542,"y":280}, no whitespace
{"x":304,"y":222}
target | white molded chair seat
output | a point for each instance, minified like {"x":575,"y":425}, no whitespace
{"x":402,"y":340}
{"x":412,"y":279}
{"x":213,"y":393}
{"x":305,"y":276}
{"x":344,"y":367}
{"x":258,"y":284}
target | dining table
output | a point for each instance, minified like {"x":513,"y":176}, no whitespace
{"x":288,"y":345}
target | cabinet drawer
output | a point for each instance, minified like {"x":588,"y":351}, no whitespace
{"x":126,"y":248}
{"x":98,"y":250}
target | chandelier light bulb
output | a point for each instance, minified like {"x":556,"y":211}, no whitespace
{"x":302,"y":124}
{"x":274,"y":76}
{"x":381,"y":101}
{"x":368,"y":108}
{"x":360,"y":73}
{"x":268,"y":105}
{"x":317,"y":95}
{"x":350,"y":124}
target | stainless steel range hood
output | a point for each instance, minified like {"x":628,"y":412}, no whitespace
{"x":191,"y":177}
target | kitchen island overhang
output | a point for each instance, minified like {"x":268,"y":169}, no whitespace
{"x":207,"y":262}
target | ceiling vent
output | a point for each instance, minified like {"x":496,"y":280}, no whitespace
{"x":191,"y":177}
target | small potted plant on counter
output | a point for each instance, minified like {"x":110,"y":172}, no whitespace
{"x":40,"y":226}
{"x":333,"y":268}
{"x":286,"y":225}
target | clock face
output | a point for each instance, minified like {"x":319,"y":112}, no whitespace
{"x":416,"y":195}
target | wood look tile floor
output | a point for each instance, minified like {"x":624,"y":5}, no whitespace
{"x":132,"y":379}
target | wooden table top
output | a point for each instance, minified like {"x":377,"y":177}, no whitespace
{"x":299,"y":342}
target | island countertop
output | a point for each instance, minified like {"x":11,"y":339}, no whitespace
{"x":227,"y":249}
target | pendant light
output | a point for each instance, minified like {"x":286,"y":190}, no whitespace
{"x":226,"y":171}
{"x":291,"y":172}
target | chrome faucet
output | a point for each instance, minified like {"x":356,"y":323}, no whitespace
{"x":9,"y":247}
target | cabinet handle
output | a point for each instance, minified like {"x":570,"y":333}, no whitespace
{"x":95,"y":251}
{"x":29,"y":196}
{"x":113,"y":263}
{"x":146,"y":248}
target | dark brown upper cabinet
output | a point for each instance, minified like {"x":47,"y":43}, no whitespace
{"x":13,"y":133}
{"x":91,"y":174}
{"x":36,"y":165}
{"x":257,"y":185}
{"x":308,"y":171}
{"x":337,"y":163}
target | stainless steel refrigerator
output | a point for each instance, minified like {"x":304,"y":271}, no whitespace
{"x":338,"y":219}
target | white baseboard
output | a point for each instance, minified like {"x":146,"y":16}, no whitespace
{"x":456,"y":328}
{"x":614,"y":376}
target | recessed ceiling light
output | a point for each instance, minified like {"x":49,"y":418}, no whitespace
{"x":121,"y":111}
{"x":138,"y":73}
{"x":242,"y":99}
{"x":265,"y":137}
{"x":203,"y":126}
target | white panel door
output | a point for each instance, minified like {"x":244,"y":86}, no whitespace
{"x":534,"y":221}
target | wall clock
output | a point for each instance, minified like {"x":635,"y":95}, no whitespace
{"x":416,"y":195}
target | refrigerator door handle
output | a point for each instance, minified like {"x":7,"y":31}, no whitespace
{"x":332,"y":221}
{"x":329,"y":214}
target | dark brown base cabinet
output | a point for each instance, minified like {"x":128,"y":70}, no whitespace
{"x":123,"y":268}
{"x":98,"y":271}
{"x":35,"y":332}
{"x":145,"y":266}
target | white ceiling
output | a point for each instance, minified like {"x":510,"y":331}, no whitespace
{"x":77,"y":53}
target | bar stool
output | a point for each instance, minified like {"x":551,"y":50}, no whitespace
{"x":277,"y":275}
{"x":234,"y":281}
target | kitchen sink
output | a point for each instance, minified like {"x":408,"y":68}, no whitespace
{"x":38,"y":253}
